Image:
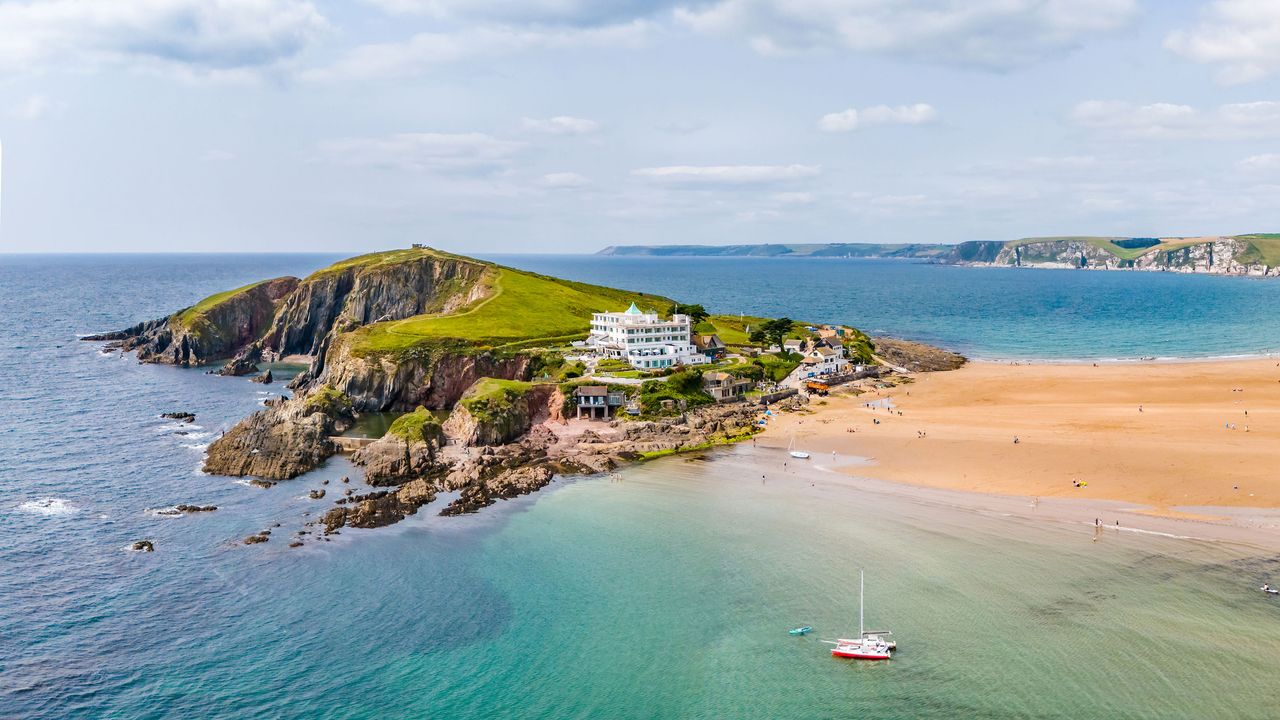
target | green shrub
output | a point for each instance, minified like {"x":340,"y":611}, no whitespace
{"x":681,"y":385}
{"x":328,"y":400}
{"x":613,"y":365}
{"x":418,"y":426}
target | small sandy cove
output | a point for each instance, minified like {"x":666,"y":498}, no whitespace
{"x":1165,"y":435}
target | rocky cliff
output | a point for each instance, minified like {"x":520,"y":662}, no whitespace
{"x":216,"y":328}
{"x":433,"y":377}
{"x":495,"y":412}
{"x":287,"y":439}
{"x":1241,"y":255}
{"x":1224,"y":256}
{"x":409,"y":450}
{"x":352,"y":294}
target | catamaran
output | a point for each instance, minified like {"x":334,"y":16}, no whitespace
{"x":868,"y":645}
{"x":791,"y":448}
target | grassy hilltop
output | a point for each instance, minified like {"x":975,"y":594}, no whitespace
{"x":517,"y":308}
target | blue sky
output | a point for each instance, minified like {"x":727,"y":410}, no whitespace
{"x":566,"y":126}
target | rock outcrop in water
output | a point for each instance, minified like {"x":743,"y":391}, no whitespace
{"x":287,"y":439}
{"x":917,"y":357}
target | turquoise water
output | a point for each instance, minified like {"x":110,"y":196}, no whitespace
{"x":667,"y":594}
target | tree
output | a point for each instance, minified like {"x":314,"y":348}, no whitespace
{"x":775,"y":331}
{"x":696,"y":313}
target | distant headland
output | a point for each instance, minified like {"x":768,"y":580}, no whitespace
{"x":1256,"y":254}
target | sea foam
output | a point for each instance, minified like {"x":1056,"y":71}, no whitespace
{"x":49,"y":506}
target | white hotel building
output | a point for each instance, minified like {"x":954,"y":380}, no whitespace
{"x":645,"y":340}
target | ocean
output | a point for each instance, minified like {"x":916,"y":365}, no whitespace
{"x":665,"y":592}
{"x":985,"y":313}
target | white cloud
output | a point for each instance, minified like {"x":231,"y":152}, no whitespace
{"x":996,"y":34}
{"x":1165,"y":120}
{"x":843,"y":121}
{"x":562,"y":125}
{"x":727,"y":174}
{"x":1240,"y":36}
{"x":852,"y":119}
{"x":1267,"y":162}
{"x":427,"y":152}
{"x":565,"y":180}
{"x":565,"y":12}
{"x":424,"y":51}
{"x":200,"y":36}
{"x":33,"y":108}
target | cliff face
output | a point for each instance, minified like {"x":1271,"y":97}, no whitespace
{"x":285,"y":440}
{"x":346,"y":297}
{"x":493,"y":414}
{"x":216,"y":328}
{"x":434,"y":380}
{"x":1218,"y":256}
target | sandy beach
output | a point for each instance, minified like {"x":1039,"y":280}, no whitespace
{"x":1174,"y":438}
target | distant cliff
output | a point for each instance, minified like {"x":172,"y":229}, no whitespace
{"x":860,"y":250}
{"x":1256,"y":254}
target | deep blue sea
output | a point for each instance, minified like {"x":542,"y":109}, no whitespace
{"x":664,"y":594}
{"x":987,"y":313}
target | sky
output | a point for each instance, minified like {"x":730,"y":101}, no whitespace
{"x":567,"y":126}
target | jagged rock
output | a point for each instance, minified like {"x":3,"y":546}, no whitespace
{"x":258,"y":538}
{"x":403,"y":454}
{"x":299,"y":381}
{"x":217,"y":327}
{"x":196,"y":508}
{"x":265,"y":378}
{"x":380,"y":508}
{"x":259,"y":482}
{"x":185,"y":417}
{"x":284,"y":440}
{"x":239,"y":366}
{"x":507,"y":483}
{"x":295,"y":544}
{"x":495,"y":413}
{"x":316,"y":494}
{"x":917,"y":357}
{"x":144,"y":546}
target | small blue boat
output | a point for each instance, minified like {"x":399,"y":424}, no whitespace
{"x":800,"y":630}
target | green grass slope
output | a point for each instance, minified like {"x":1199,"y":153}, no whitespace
{"x":1263,"y":248}
{"x":193,"y":316}
{"x":521,"y":308}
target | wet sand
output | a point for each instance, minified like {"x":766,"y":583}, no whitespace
{"x":1178,"y":440}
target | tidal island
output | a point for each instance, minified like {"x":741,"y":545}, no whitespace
{"x":496,"y":379}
